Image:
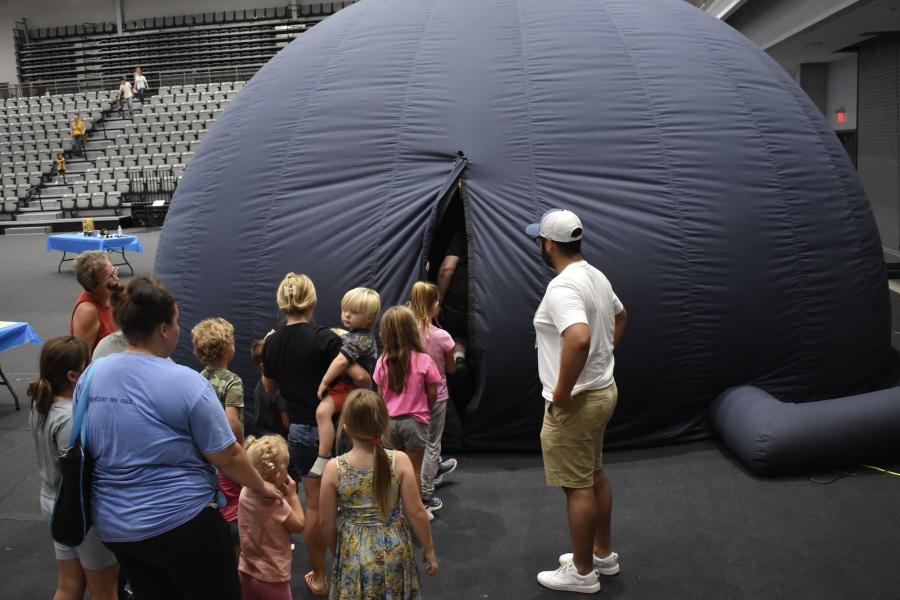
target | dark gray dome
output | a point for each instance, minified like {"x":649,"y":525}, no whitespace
{"x":714,"y":197}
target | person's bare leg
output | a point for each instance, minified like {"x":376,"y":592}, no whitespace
{"x":324,"y":412}
{"x":103,"y":583}
{"x":312,"y":535}
{"x":581,"y":506}
{"x":70,"y":583}
{"x":603,"y":495}
{"x":415,"y":456}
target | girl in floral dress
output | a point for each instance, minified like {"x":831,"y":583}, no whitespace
{"x":371,"y":542}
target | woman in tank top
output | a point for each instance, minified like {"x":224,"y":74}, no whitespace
{"x":92,"y":318}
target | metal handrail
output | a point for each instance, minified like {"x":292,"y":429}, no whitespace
{"x":110,"y":84}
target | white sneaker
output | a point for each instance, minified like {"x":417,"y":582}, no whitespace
{"x":604,"y":566}
{"x":568,"y":579}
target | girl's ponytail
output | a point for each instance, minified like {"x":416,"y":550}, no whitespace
{"x":41,"y":394}
{"x":421,"y":300}
{"x":381,"y":479}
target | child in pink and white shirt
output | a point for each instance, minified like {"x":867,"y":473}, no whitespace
{"x":424,"y":300}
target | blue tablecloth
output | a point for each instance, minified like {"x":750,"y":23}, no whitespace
{"x":78,"y":242}
{"x":14,"y":334}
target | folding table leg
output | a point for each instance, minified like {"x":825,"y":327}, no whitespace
{"x":9,"y":385}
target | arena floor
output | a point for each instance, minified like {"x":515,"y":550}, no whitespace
{"x":688,"y":521}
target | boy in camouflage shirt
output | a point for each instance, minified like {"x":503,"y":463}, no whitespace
{"x":214,"y":346}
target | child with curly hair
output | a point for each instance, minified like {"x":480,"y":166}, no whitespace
{"x":266,"y":524}
{"x":214,"y":347}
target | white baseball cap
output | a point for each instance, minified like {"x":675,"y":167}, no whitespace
{"x":557,"y":224}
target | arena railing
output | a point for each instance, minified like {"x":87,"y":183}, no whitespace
{"x":111,"y":84}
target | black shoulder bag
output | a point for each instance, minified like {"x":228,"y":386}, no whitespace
{"x":71,"y":517}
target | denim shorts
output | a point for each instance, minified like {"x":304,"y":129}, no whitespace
{"x":303,"y":444}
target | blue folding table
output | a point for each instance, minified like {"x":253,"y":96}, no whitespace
{"x":77,"y":243}
{"x":13,"y":334}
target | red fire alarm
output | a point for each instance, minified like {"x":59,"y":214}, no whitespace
{"x":841,"y":115}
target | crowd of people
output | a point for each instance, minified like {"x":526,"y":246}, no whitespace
{"x":193,"y":499}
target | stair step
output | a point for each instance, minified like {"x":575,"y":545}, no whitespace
{"x":26,"y":230}
{"x":39,"y":216}
{"x":44,"y":206}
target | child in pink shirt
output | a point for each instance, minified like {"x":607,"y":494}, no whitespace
{"x":407,"y":380}
{"x":266,"y":524}
{"x":425,"y":302}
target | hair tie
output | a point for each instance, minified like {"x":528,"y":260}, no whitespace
{"x":376,"y":441}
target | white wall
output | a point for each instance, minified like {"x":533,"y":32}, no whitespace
{"x":842,"y":92}
{"x":52,"y":13}
{"x":45,"y":13}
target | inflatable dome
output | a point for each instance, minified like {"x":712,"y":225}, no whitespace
{"x":714,"y":197}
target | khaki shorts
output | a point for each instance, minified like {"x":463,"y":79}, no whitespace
{"x":572,"y":438}
{"x":405,"y":433}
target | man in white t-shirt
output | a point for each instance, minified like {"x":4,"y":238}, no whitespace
{"x":126,"y":93}
{"x":140,"y":84}
{"x":577,"y":325}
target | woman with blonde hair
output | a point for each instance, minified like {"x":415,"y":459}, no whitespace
{"x":294,"y":360}
{"x":371,"y":541}
{"x":91,"y":564}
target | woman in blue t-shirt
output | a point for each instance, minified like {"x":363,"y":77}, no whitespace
{"x":157,"y":433}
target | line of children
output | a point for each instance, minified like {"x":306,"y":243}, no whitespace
{"x":359,"y":310}
{"x":368,"y":482}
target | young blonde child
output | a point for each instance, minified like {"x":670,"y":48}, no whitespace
{"x":359,"y":309}
{"x":60,"y":167}
{"x":214,"y":347}
{"x":425,"y":302}
{"x":266,"y":524}
{"x":407,"y":380}
{"x":371,"y":542}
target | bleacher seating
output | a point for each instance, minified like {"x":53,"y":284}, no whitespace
{"x":32,"y":131}
{"x":244,"y":39}
{"x":136,"y":153}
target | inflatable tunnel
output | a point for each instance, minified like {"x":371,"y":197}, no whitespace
{"x":714,"y":197}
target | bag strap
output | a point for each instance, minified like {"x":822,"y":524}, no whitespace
{"x":81,"y":406}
